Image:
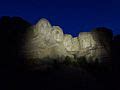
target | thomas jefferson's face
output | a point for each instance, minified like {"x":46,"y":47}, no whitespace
{"x":57,"y":33}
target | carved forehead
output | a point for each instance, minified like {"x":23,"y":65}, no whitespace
{"x":43,"y":23}
{"x":57,"y":29}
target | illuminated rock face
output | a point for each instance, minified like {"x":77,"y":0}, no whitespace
{"x":87,"y":45}
{"x":57,"y":34}
{"x":67,"y":42}
{"x":93,"y":47}
{"x":46,"y":41}
{"x":75,"y":44}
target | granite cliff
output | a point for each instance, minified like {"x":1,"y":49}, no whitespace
{"x":44,"y":41}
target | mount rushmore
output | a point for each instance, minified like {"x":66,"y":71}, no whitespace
{"x":43,"y":41}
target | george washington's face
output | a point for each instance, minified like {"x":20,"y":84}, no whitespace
{"x":43,"y":26}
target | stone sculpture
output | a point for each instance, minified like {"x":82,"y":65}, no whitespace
{"x":46,"y":41}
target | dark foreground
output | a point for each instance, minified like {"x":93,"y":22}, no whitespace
{"x":66,"y":78}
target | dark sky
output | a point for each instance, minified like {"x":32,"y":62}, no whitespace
{"x":72,"y":16}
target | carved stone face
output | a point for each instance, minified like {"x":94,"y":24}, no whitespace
{"x":75,"y":44}
{"x":43,"y":26}
{"x":43,"y":41}
{"x":86,"y":40}
{"x":57,"y":33}
{"x":68,"y":42}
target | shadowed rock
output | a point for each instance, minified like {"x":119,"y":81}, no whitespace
{"x":96,"y":45}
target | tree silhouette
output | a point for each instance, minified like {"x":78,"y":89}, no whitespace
{"x":12,"y":30}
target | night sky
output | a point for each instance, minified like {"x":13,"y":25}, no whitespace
{"x":72,"y":16}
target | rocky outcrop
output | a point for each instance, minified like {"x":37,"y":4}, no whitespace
{"x":94,"y":46}
{"x":87,"y":45}
{"x":46,"y":41}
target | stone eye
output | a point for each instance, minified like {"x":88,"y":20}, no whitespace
{"x":57,"y":32}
